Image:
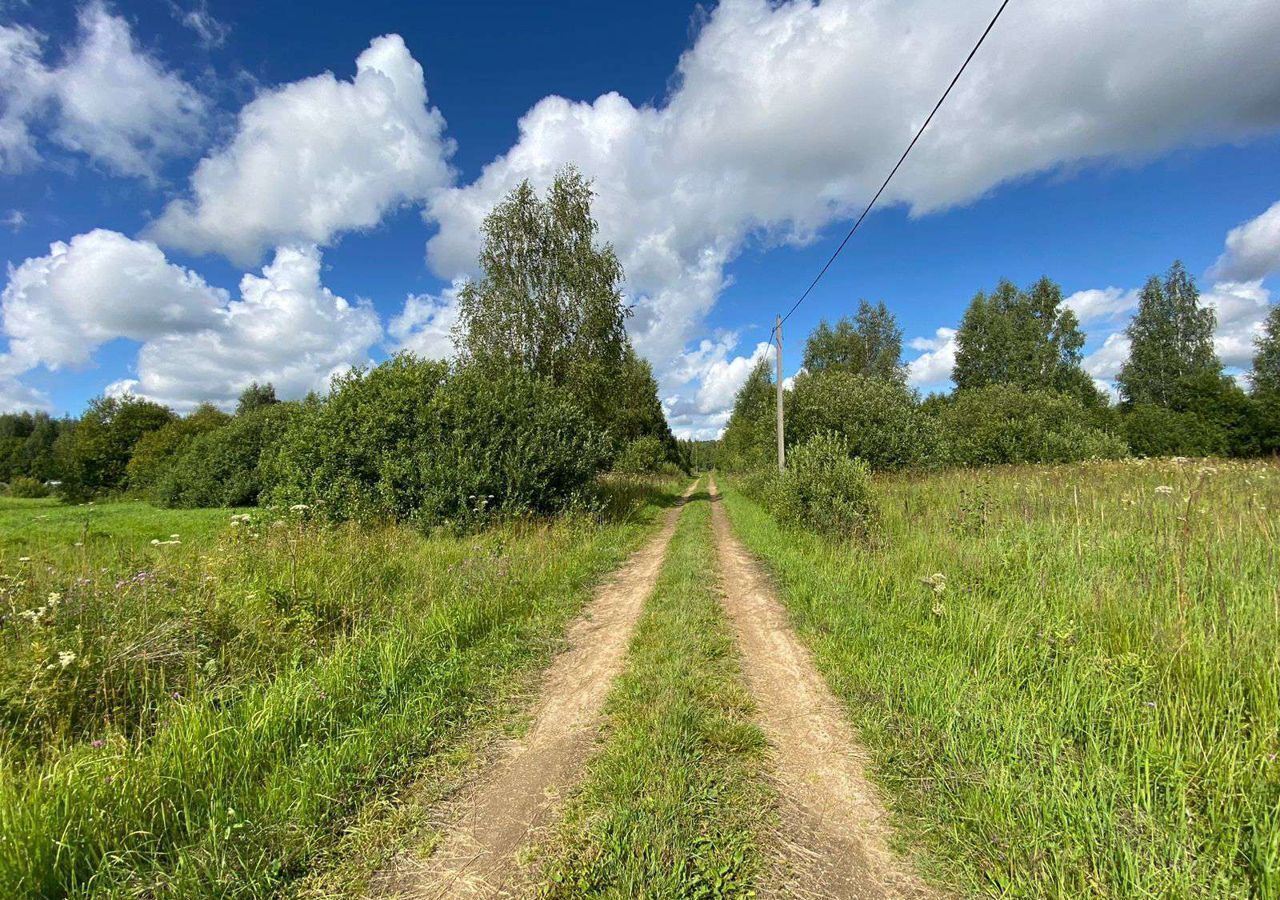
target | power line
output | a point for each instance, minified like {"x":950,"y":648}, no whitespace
{"x":901,"y":159}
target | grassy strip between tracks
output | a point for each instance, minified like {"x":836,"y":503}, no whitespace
{"x":674,"y":805}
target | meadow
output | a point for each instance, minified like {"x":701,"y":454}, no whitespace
{"x":1068,"y":677}
{"x":199,"y":702}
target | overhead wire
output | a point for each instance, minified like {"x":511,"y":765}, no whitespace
{"x":898,"y":165}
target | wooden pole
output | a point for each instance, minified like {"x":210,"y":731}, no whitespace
{"x":782,"y":450}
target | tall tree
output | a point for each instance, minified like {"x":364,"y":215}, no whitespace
{"x":550,"y":299}
{"x":750,"y":435}
{"x":869,"y":344}
{"x":1025,"y":338}
{"x":1266,"y":361}
{"x":1170,"y":341}
{"x":255,"y":396}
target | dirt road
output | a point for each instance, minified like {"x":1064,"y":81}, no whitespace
{"x":834,"y":829}
{"x":519,"y":793}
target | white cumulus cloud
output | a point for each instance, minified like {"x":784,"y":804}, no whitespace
{"x":59,"y":308}
{"x":315,"y":158}
{"x":197,"y":343}
{"x":1109,"y":304}
{"x":424,"y":325}
{"x":931,"y":370}
{"x":106,"y":98}
{"x":1253,"y":249}
{"x":287,"y":328}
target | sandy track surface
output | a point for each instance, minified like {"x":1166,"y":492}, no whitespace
{"x":520,"y":793}
{"x":834,"y":838}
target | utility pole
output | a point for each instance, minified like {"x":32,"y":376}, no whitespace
{"x":782,"y":450}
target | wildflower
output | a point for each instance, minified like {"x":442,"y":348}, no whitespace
{"x":54,"y":598}
{"x":66,"y":658}
{"x":1164,"y":489}
{"x":937,"y":582}
{"x":299,"y":507}
{"x":98,"y":744}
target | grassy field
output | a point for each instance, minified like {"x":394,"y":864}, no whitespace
{"x":202,"y":715}
{"x":673,"y":805}
{"x":1068,"y":678}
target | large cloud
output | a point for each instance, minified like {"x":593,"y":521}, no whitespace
{"x":425,"y":324}
{"x":108,"y":99}
{"x":16,"y":397}
{"x":315,"y":158}
{"x":1253,"y":249}
{"x":197,"y":343}
{"x":57,"y":309}
{"x":786,"y":116}
{"x":287,"y":328}
{"x":931,"y":370}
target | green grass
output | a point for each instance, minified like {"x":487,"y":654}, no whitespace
{"x":206,"y":718}
{"x":1087,"y":702}
{"x":673,"y":805}
{"x":53,"y":530}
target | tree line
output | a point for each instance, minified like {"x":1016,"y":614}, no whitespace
{"x":1021,"y":394}
{"x":519,"y":422}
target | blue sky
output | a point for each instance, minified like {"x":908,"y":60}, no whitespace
{"x":196,"y":195}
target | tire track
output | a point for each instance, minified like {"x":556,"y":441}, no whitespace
{"x":519,"y":794}
{"x":834,"y":835}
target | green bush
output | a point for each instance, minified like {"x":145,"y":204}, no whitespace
{"x":643,"y":456}
{"x":28,"y":488}
{"x":94,"y":455}
{"x":1154,"y":430}
{"x":407,"y":440}
{"x":880,"y":420}
{"x":1003,"y":424}
{"x":504,"y":442}
{"x":156,"y":451}
{"x":223,"y":467}
{"x":823,"y":488}
{"x":352,"y":453}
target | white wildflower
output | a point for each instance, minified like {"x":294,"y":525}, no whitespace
{"x":1164,"y":489}
{"x":66,"y":658}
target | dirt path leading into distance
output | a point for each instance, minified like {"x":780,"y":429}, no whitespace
{"x":520,"y":793}
{"x":834,"y":832}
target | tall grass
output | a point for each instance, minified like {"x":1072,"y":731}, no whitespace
{"x":1069,"y":677}
{"x":231,"y":701}
{"x":674,"y":804}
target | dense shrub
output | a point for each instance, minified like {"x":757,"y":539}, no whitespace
{"x":353,"y":452}
{"x":222,"y":467}
{"x":94,"y":455}
{"x":1152,"y":430}
{"x":409,"y":441}
{"x":642,"y":456}
{"x":823,"y":488}
{"x":880,"y":420}
{"x":1001,"y":424}
{"x":504,"y":443}
{"x":28,"y":488}
{"x":155,"y":452}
